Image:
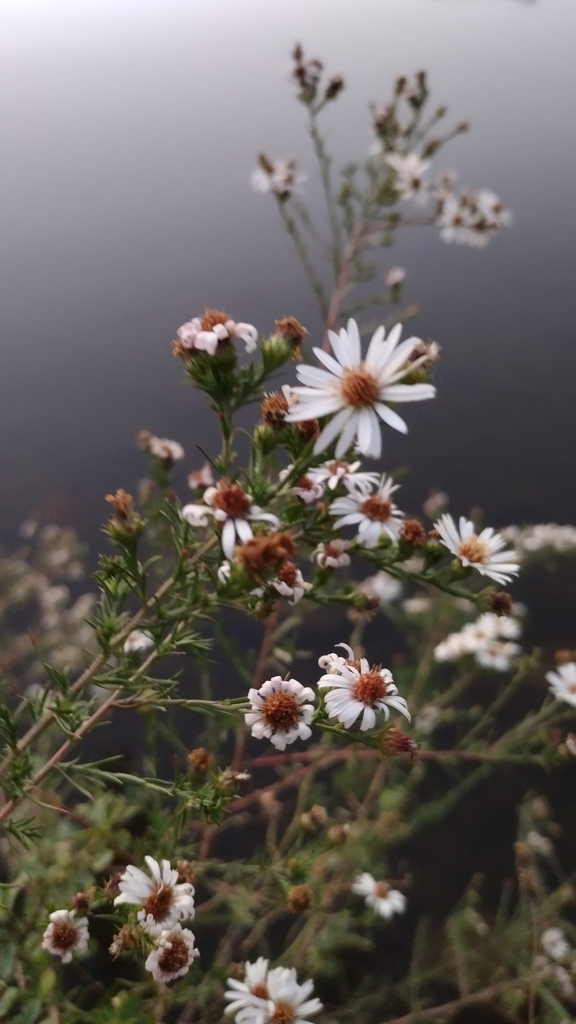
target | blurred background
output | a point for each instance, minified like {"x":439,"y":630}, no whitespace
{"x":130,"y":129}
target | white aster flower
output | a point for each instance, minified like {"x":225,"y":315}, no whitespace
{"x":279,"y":176}
{"x":554,"y":944}
{"x":205,"y":333}
{"x":395,"y":276}
{"x":362,"y":690}
{"x":375,"y":515}
{"x":410,"y":171}
{"x":250,"y":994}
{"x":279,"y":711}
{"x":289,"y":1002}
{"x":540,"y":537}
{"x":385,"y":900}
{"x":66,"y":934}
{"x":332,"y":554}
{"x":173,"y":955}
{"x":358,"y":391}
{"x":497,"y":654}
{"x":471,"y":218}
{"x":482,"y":552}
{"x":164,"y":901}
{"x":233,"y":509}
{"x":563,"y":682}
{"x":339,"y":471}
{"x":489,"y":639}
{"x":290,"y":582}
{"x":138,"y":640}
{"x":381,"y":585}
{"x":162,"y":448}
{"x":307,"y":488}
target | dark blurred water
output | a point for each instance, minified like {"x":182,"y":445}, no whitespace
{"x":130,"y":128}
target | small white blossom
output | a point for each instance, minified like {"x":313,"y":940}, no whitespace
{"x":201,"y":477}
{"x":554,"y":944}
{"x":252,"y":993}
{"x":563,"y":682}
{"x":356,"y":391}
{"x":164,"y":901}
{"x":339,"y":471}
{"x":540,"y":537}
{"x":332,"y":554}
{"x":410,"y":171}
{"x":232,"y":507}
{"x":66,"y":934}
{"x":306,"y":488}
{"x":385,"y":900}
{"x":434,"y":504}
{"x":279,"y":176}
{"x":395,"y":276}
{"x":471,"y":218}
{"x":205,"y":333}
{"x":489,"y":639}
{"x":290,"y":583}
{"x":163,"y":448}
{"x":288,"y":1000}
{"x":482,"y":552}
{"x":279,"y":711}
{"x":138,"y":640}
{"x":417,"y":605}
{"x":375,"y":515}
{"x":224,"y":572}
{"x":362,"y":690}
{"x":382,"y":585}
{"x":173,"y":955}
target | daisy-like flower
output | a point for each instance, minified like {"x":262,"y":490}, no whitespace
{"x":66,"y":934}
{"x":280,"y":712}
{"x":480,"y":551}
{"x":205,"y":333}
{"x":233,"y":508}
{"x":497,"y":654}
{"x":341,"y":472}
{"x":162,"y":448}
{"x":163,"y":900}
{"x":289,"y":1002}
{"x":354,"y":689}
{"x":410,"y":171}
{"x":563,"y":682}
{"x":307,"y":488}
{"x":279,"y":176}
{"x":374,"y":515}
{"x":357,"y":390}
{"x":250,"y":994}
{"x":385,"y":900}
{"x":553,"y":942}
{"x":290,"y":582}
{"x":332,"y":555}
{"x":173,"y":955}
{"x":138,"y":640}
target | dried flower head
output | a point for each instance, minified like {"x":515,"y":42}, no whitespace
{"x":413,"y":533}
{"x":293,"y":332}
{"x":200,"y":760}
{"x":265,"y":553}
{"x":299,"y":899}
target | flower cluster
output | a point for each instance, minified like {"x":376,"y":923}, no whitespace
{"x":557,"y":961}
{"x":215,"y":328}
{"x":490,"y":639}
{"x":541,"y":537}
{"x":270,"y":996}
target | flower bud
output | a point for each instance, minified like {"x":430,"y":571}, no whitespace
{"x":276,"y":350}
{"x":299,"y":899}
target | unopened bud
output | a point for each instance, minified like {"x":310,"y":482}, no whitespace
{"x":299,"y":899}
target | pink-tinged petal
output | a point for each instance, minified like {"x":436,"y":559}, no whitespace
{"x":328,"y":361}
{"x":391,"y":418}
{"x":332,"y":429}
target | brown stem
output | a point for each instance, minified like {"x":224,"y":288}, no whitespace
{"x":337,"y":296}
{"x":259,"y":677}
{"x":436,"y":1012}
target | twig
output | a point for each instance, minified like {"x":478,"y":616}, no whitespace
{"x":436,"y":1012}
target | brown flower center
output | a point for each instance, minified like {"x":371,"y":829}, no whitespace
{"x":232,"y":500}
{"x":381,"y":890}
{"x":260,"y":991}
{"x":159,"y":902}
{"x":283,"y":1014}
{"x":379,"y":510}
{"x":359,"y":387}
{"x":212,"y":317}
{"x":369,"y":688}
{"x":331,"y":551}
{"x":473,"y":549}
{"x":288,"y":573}
{"x":305,"y":483}
{"x":281,"y":711}
{"x":174,"y":957}
{"x":64,"y":934}
{"x":571,"y":688}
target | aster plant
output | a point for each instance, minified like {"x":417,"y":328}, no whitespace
{"x":254,"y":838}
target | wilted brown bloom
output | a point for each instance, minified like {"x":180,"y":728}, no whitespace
{"x":273,"y":409}
{"x":200,"y":760}
{"x":125,"y":523}
{"x":186,"y":873}
{"x":125,"y":940}
{"x":501,"y":602}
{"x":564,"y":656}
{"x":293,"y":332}
{"x":310,"y":429}
{"x":316,"y":817}
{"x":413,"y":532}
{"x":395,"y":742}
{"x":337,"y":834}
{"x":81,"y":901}
{"x":299,"y":899}
{"x":264,"y":553}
